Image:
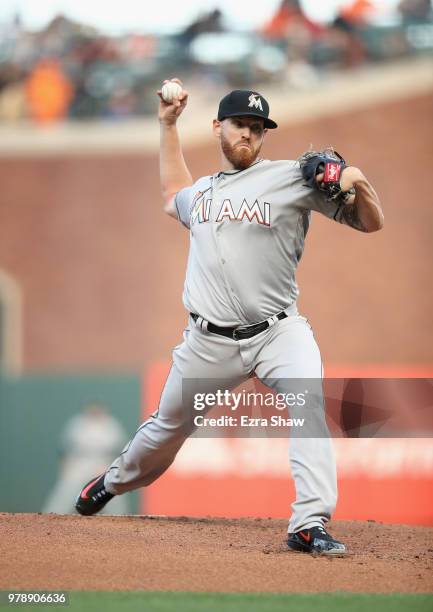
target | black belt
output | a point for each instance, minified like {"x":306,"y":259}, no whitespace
{"x":240,"y":333}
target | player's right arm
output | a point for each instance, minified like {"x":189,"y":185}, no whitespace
{"x":174,"y":173}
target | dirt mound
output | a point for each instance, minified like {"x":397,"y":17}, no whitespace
{"x":188,"y":554}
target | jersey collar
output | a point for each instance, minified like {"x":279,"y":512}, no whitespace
{"x":239,"y":171}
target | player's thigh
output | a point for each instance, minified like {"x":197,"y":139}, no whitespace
{"x":290,"y":351}
{"x":205,"y":355}
{"x":290,"y":364}
{"x":202,"y":364}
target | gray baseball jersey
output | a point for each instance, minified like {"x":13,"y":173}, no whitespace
{"x":247,"y":232}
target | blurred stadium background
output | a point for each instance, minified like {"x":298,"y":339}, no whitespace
{"x":91,"y":271}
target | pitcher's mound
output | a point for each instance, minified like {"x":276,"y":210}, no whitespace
{"x":53,"y":552}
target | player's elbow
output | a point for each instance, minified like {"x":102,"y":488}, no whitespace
{"x":381,"y":221}
{"x":372,"y":228}
{"x":376,"y":225}
{"x":169,"y":207}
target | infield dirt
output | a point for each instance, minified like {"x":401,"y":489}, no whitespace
{"x":41,"y":551}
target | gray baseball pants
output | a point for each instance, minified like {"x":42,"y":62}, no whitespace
{"x":286,"y":350}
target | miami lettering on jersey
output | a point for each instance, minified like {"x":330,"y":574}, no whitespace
{"x":200,"y":212}
{"x":200,"y":209}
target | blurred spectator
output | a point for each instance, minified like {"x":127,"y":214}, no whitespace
{"x":13,"y":103}
{"x":49,"y":92}
{"x":210,"y":22}
{"x":415,"y":11}
{"x":287,"y":20}
{"x":358,"y":12}
{"x":121,"y":103}
{"x":344,"y":34}
{"x":88,"y":441}
{"x":139,"y":47}
{"x":291,"y":30}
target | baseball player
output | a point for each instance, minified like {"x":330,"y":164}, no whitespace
{"x":247,"y":226}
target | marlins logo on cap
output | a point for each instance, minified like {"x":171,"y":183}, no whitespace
{"x":255,"y":101}
{"x":243,"y":102}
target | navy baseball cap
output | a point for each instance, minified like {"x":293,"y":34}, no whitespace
{"x":243,"y":102}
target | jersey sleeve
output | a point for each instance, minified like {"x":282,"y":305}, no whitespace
{"x":318,"y":202}
{"x":182,"y":203}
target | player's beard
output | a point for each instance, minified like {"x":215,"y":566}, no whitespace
{"x":239,"y":157}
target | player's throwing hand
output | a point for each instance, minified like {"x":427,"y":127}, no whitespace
{"x":170,"y":111}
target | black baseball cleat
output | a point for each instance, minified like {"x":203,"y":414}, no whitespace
{"x":93,"y":497}
{"x":317,"y":541}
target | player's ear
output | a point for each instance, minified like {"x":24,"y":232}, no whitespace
{"x":216,"y":128}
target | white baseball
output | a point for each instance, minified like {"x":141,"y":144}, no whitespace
{"x":170,"y":91}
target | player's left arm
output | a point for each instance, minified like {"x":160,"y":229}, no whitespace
{"x":361,"y":210}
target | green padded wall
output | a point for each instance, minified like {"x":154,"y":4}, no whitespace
{"x":33,"y":414}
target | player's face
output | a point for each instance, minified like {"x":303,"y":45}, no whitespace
{"x":241,"y":140}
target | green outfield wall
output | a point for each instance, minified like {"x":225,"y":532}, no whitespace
{"x":34,"y":412}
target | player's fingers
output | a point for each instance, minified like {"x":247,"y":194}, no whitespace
{"x":176,"y":80}
{"x":319,"y":177}
{"x":165,"y":104}
{"x":181,"y":99}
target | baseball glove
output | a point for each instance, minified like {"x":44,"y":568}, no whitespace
{"x":331,"y":164}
